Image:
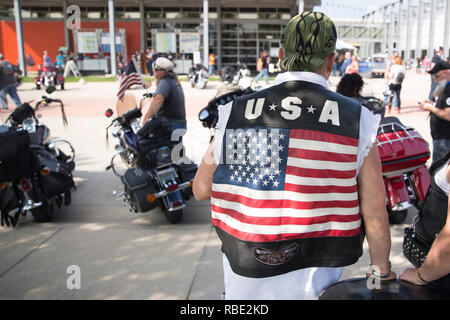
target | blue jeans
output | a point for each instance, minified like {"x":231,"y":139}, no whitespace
{"x":12,"y":91}
{"x":440,"y":149}
{"x":263,"y":73}
{"x":432,"y":89}
{"x":211,"y":69}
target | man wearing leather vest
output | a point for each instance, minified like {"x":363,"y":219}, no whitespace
{"x":292,"y":173}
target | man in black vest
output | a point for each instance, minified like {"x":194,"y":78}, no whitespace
{"x":291,"y":173}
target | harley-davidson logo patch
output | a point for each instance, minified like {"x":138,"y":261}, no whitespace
{"x":276,"y":257}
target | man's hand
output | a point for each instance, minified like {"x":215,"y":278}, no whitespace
{"x":412,"y":276}
{"x":426,"y":105}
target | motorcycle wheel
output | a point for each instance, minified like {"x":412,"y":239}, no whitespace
{"x":397,"y":217}
{"x":202,"y":85}
{"x":192,"y":84}
{"x":46,"y":212}
{"x":62,"y":86}
{"x":173,"y":217}
{"x":38,"y":87}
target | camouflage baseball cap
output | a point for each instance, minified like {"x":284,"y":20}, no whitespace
{"x":307,"y":40}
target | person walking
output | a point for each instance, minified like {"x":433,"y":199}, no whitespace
{"x":395,"y":78}
{"x":8,"y":83}
{"x":353,"y":67}
{"x":432,"y":227}
{"x":347,"y":61}
{"x":211,"y":64}
{"x":71,"y":67}
{"x":436,"y":58}
{"x":292,"y":172}
{"x":263,"y":67}
{"x":439,"y":112}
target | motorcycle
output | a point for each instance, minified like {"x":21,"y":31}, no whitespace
{"x":403,"y":153}
{"x":49,"y":76}
{"x":35,"y":172}
{"x":151,"y":177}
{"x":240,"y":77}
{"x":369,"y":289}
{"x":198,"y":76}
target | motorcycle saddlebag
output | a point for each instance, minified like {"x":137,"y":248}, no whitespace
{"x":56,"y":177}
{"x":138,"y":185}
{"x":187,"y":171}
{"x":17,"y":160}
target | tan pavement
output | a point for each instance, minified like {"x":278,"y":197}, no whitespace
{"x":123,"y":255}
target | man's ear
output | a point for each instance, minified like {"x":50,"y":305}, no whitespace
{"x":280,"y":53}
{"x":330,"y":61}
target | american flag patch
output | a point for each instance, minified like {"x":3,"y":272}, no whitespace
{"x":281,"y":184}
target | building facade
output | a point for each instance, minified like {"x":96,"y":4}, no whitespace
{"x":238,"y":31}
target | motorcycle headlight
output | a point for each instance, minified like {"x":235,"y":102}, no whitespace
{"x":29,"y":124}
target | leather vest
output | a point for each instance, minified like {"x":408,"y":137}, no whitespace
{"x":284,"y":196}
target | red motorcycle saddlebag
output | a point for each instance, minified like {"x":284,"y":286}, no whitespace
{"x":401,"y":148}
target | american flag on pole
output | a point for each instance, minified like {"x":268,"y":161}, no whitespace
{"x":129,"y":78}
{"x":281,"y":184}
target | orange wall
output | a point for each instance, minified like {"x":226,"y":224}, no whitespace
{"x":38,"y":36}
{"x":49,"y":35}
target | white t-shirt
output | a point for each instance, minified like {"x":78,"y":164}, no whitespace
{"x":300,"y":284}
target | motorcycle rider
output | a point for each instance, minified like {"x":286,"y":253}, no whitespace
{"x":168,"y":99}
{"x":272,"y":248}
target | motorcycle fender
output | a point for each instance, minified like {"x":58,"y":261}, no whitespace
{"x":421,"y":178}
{"x":396,"y":191}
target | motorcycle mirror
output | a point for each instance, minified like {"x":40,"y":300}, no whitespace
{"x":204,"y":114}
{"x":109,"y":113}
{"x":50,"y":89}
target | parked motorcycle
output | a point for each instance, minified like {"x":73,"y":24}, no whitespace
{"x":198,"y":76}
{"x":370,"y":289}
{"x":49,"y":76}
{"x":403,"y":154}
{"x":240,"y":77}
{"x":35,"y":172}
{"x":152,"y":177}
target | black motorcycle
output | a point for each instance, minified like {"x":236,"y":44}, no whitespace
{"x":35,"y":172}
{"x":209,"y":115}
{"x":198,"y":77}
{"x":152,"y":178}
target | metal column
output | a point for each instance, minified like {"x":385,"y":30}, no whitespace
{"x":219,"y":38}
{"x":205,"y":33}
{"x":301,"y":6}
{"x":408,"y":31}
{"x":66,"y":29}
{"x":430,"y":51}
{"x":384,"y":43}
{"x":19,"y":34}
{"x":112,"y":37}
{"x":391,"y":31}
{"x":419,"y":30}
{"x":398,"y":28}
{"x":446,"y":29}
{"x":142,"y":25}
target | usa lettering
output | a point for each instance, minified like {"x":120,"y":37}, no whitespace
{"x":291,"y":108}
